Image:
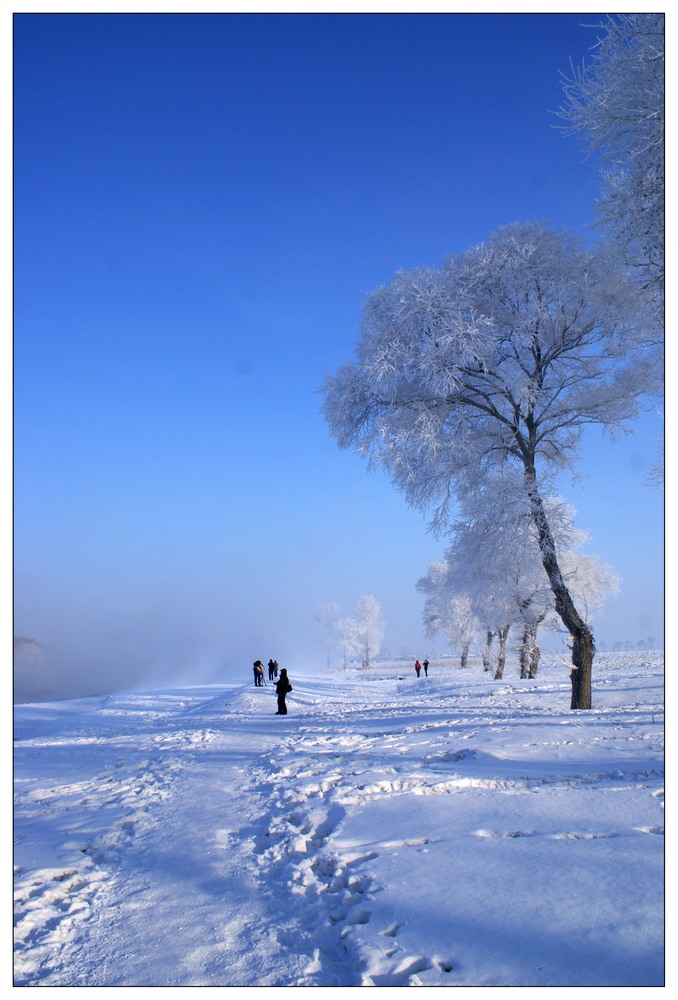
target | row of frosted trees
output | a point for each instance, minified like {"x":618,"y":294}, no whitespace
{"x":492,"y":580}
{"x":476,"y":380}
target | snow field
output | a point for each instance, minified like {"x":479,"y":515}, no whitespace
{"x":390,"y":831}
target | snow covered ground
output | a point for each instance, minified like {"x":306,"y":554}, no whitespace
{"x":452,"y":830}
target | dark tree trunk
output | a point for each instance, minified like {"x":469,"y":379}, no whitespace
{"x":583,"y":651}
{"x":501,"y":655}
{"x":464,"y":654}
{"x":583,"y":646}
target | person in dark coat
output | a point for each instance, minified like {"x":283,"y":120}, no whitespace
{"x":425,"y":666}
{"x":281,"y":688}
{"x":271,"y":669}
{"x":258,"y":668}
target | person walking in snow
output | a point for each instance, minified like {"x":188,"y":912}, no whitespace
{"x":417,"y":667}
{"x":425,"y":665}
{"x":258,"y":668}
{"x":281,"y":688}
{"x":271,"y":669}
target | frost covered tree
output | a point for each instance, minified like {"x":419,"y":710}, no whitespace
{"x":472,"y":592}
{"x":346,"y":638}
{"x":364,"y":632}
{"x":615,"y":104}
{"x":499,"y":358}
{"x":591,"y":581}
{"x":328,"y":617}
{"x":496,"y":545}
{"x":448,"y":611}
{"x":495,"y":562}
{"x":457,"y":606}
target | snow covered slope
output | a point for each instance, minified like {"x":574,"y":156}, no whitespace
{"x":453,"y":830}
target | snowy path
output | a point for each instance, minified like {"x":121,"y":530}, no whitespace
{"x":384,"y":833}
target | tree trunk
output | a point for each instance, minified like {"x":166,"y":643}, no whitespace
{"x":583,"y":646}
{"x":583,"y":651}
{"x":525,"y":653}
{"x":486,"y":650}
{"x":464,"y":654}
{"x":501,"y":654}
{"x":529,"y":651}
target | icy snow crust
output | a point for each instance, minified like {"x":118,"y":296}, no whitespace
{"x":447,"y":831}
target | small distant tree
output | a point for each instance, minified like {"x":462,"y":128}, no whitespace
{"x":364,"y":632}
{"x":328,"y":617}
{"x":346,"y":628}
{"x":448,"y":611}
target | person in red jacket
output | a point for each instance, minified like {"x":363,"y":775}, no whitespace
{"x":417,"y":667}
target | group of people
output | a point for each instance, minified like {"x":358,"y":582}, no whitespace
{"x":282,"y":686}
{"x":418,"y":666}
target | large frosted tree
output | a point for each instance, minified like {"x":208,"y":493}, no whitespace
{"x":499,"y":358}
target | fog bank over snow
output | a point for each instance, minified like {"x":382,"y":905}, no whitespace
{"x":389,"y":831}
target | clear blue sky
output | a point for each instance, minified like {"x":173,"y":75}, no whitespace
{"x":201,"y":203}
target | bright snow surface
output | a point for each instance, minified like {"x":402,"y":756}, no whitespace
{"x":453,"y":830}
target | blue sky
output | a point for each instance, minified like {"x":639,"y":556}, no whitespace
{"x":201,"y":203}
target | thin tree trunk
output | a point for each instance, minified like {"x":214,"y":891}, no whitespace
{"x":525,"y":652}
{"x":535,"y":654}
{"x":464,"y":654}
{"x":535,"y":651}
{"x":583,"y":646}
{"x":501,"y":654}
{"x":529,"y":651}
{"x":486,"y":650}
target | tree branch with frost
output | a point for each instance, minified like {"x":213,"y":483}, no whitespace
{"x":615,"y":103}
